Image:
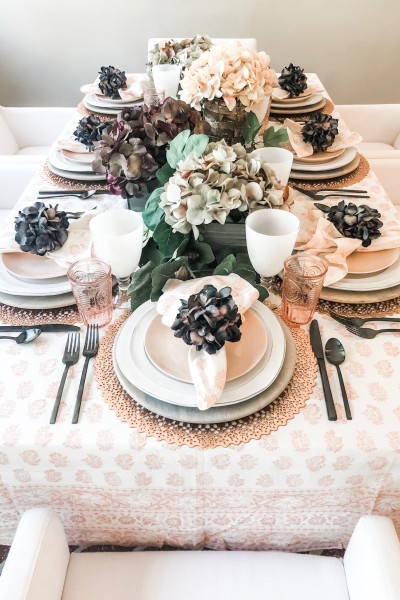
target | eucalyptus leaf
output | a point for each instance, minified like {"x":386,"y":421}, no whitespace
{"x":141,"y":284}
{"x":162,"y":273}
{"x":164,"y":173}
{"x":166,"y":239}
{"x":152,"y":213}
{"x":250,"y":128}
{"x":275,"y":138}
{"x":263,"y":293}
{"x":151,"y":253}
{"x":196,"y":144}
{"x":227,"y":266}
{"x":174,"y":153}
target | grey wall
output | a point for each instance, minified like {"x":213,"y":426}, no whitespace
{"x":48,"y":48}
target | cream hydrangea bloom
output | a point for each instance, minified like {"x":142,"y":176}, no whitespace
{"x":208,"y":188}
{"x":231,"y":72}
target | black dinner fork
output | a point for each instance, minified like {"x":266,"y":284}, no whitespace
{"x":367,"y":333}
{"x":322,"y":194}
{"x":70,"y":357}
{"x":359,"y":321}
{"x":89,"y":351}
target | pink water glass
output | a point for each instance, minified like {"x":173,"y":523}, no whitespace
{"x":91,"y":283}
{"x":151,"y":97}
{"x":302,"y":284}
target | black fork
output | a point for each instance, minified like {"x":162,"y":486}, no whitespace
{"x":70,"y":357}
{"x":89,"y":351}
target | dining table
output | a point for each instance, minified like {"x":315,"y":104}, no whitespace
{"x":302,"y":486}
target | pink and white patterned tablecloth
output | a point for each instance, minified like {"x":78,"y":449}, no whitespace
{"x":303,"y":486}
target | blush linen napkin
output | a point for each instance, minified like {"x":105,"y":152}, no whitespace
{"x":208,"y":370}
{"x":280,"y":94}
{"x":79,"y":241}
{"x":344,"y":139}
{"x":133,"y":90}
{"x":320,"y":237}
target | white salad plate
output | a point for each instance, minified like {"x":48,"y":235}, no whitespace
{"x":103,"y":102}
{"x":309,"y":101}
{"x":135,"y":366}
{"x":387,"y":278}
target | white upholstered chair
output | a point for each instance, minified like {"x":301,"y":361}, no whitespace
{"x":40,"y":567}
{"x":26,"y":133}
{"x":250,"y":43}
{"x":14,"y":178}
{"x":379,"y":125}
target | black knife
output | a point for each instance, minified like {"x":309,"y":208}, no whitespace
{"x":42,"y":327}
{"x":69,"y":192}
{"x":316,"y":343}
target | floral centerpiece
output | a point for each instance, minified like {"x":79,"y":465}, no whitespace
{"x":132,"y":148}
{"x":203,"y":184}
{"x":182,"y":52}
{"x":227,"y":83}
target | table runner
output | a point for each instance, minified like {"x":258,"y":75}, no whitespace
{"x":301,"y":487}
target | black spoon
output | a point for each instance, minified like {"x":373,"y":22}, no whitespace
{"x":26,"y":336}
{"x":335,"y":354}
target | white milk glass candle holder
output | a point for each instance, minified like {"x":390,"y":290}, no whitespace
{"x":117,"y":237}
{"x":279,"y":159}
{"x":270,"y":237}
{"x":166,"y":78}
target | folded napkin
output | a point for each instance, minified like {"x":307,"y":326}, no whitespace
{"x":208,"y":370}
{"x":133,"y":90}
{"x":344,"y":139}
{"x":280,"y":94}
{"x":319,"y":236}
{"x":79,"y":243}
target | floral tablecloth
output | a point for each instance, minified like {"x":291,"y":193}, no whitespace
{"x":303,"y":486}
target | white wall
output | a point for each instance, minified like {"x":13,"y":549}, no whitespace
{"x":48,"y":48}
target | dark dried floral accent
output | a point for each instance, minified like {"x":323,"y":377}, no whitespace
{"x":320,"y":131}
{"x":293,"y":80}
{"x":111,"y":80}
{"x":40,"y":228}
{"x":132,"y":148}
{"x":208,"y":319}
{"x":352,"y":221}
{"x":89,"y":130}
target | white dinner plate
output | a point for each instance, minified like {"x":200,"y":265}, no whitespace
{"x":388,"y":278}
{"x":38,"y":302}
{"x":136,"y":367}
{"x":326,"y":174}
{"x":288,"y":110}
{"x":13,"y":285}
{"x":340,"y":161}
{"x":73,"y":175}
{"x":309,"y":101}
{"x":60,"y":161}
{"x":101,"y":109}
{"x":215,"y":414}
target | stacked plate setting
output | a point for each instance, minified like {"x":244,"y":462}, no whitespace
{"x":325,"y":165}
{"x":152,"y":366}
{"x":306,"y":103}
{"x":371,"y":271}
{"x":76,"y":166}
{"x":107,"y":106}
{"x":30,"y":281}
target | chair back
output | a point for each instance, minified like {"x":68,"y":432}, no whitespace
{"x":8,"y":143}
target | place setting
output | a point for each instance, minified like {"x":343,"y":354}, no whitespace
{"x":295,"y":96}
{"x":113,"y":91}
{"x":360,"y":243}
